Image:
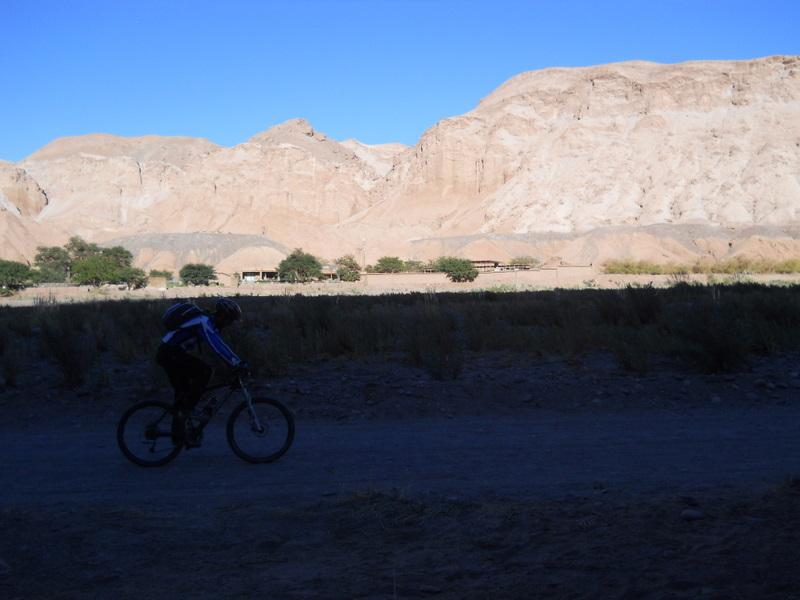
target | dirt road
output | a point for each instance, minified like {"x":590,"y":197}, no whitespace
{"x":538,"y":455}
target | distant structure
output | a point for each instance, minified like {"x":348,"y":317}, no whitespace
{"x":264,"y":274}
{"x":488,"y":266}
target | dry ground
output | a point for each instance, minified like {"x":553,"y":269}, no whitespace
{"x":596,"y":540}
{"x":377,"y":284}
{"x":377,"y":545}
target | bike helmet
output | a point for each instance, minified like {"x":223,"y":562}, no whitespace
{"x":227,"y":311}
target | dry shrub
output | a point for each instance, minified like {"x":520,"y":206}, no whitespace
{"x":717,"y":327}
{"x":69,"y":341}
{"x":11,"y":359}
{"x":632,"y":350}
{"x":712,"y":336}
{"x":435,"y":342}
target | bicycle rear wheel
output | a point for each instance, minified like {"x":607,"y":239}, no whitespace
{"x":145,"y":434}
{"x":262,"y":439}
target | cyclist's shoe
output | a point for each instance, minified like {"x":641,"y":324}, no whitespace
{"x":193,"y":437}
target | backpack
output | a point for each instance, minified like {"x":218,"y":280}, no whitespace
{"x":180,"y":313}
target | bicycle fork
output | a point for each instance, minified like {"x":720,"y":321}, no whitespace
{"x":255,"y":423}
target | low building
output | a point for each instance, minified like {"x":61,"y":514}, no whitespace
{"x":485,"y":266}
{"x":262,"y":274}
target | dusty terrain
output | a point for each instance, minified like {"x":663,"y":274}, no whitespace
{"x":379,"y":283}
{"x":543,"y":477}
{"x":593,"y":154}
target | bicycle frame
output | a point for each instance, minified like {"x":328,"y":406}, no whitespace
{"x":217,"y":403}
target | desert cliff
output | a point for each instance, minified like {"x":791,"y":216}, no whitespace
{"x":626,"y":160}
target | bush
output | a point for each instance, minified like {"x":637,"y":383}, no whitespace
{"x":347,"y":269}
{"x":389,"y":264}
{"x":457,"y":269}
{"x":165,"y":274}
{"x":713,"y":336}
{"x":197,"y":274}
{"x":525,"y":261}
{"x":69,"y":344}
{"x":300,"y":267}
{"x":413,"y":265}
{"x":14,"y":275}
{"x":435,"y":342}
{"x":132,"y":277}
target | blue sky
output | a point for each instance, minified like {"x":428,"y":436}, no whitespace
{"x":375,"y":70}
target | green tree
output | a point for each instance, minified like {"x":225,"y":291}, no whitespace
{"x":300,"y":267}
{"x":14,"y":275}
{"x":47,"y":275}
{"x":412,"y":265}
{"x":165,"y":274}
{"x":53,"y":264}
{"x":79,"y":248}
{"x":347,"y":269}
{"x":94,"y":270}
{"x":122,"y":257}
{"x":457,"y":269}
{"x":132,"y":277}
{"x":389,"y":264}
{"x":197,"y":274}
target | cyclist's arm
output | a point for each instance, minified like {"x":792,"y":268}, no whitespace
{"x":218,"y":344}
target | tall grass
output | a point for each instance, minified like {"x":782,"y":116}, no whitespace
{"x":711,"y":328}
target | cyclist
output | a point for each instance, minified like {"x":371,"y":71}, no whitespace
{"x":188,"y":374}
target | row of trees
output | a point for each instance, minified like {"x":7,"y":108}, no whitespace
{"x":84,"y":263}
{"x":301,"y":266}
{"x":79,"y":262}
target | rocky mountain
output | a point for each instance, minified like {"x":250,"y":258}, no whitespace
{"x":634,"y":159}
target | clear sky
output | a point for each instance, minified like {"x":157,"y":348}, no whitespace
{"x":375,"y":70}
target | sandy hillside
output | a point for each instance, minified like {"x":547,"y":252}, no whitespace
{"x":563,"y":162}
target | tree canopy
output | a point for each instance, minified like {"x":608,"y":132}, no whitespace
{"x":79,"y":248}
{"x":122,"y":257}
{"x":389,"y":264}
{"x":300,"y":267}
{"x":159,"y":273}
{"x":132,"y":277}
{"x":457,"y":269}
{"x":197,"y":274}
{"x":347,"y":269}
{"x":94,"y":270}
{"x":53,"y":264}
{"x":14,"y":275}
{"x":85,"y":263}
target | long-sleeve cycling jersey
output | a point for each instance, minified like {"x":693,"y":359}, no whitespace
{"x":188,"y":335}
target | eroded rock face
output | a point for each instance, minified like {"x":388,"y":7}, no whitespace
{"x":579,"y":152}
{"x":570,"y":150}
{"x":19,"y":192}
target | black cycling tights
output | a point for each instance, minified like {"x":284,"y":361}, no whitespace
{"x":188,"y":375}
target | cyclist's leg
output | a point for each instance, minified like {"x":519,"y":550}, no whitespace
{"x":174,"y":363}
{"x":200,"y":374}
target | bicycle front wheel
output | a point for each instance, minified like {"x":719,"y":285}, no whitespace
{"x":263,"y":435}
{"x":146,"y":434}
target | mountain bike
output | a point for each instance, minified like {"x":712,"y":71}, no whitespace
{"x":259,"y":430}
